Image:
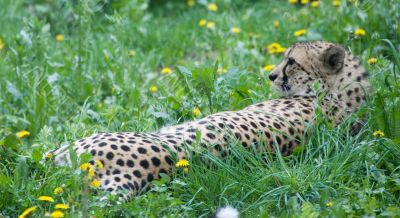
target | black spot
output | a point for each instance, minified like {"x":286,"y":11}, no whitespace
{"x":128,"y":176}
{"x":93,"y":152}
{"x":238,"y":136}
{"x":130,"y":163}
{"x":253,"y":125}
{"x":221,"y":125}
{"x":291,"y":131}
{"x":162,"y":171}
{"x":134,"y":156}
{"x":110,"y":189}
{"x":142,"y":150}
{"x":150,"y":177}
{"x":276,"y":125}
{"x":117,"y":179}
{"x":156,"y":162}
{"x":110,"y":155}
{"x":137,"y":173}
{"x":144,"y":164}
{"x":169,"y":160}
{"x":154,"y":148}
{"x":244,"y":127}
{"x":113,"y":139}
{"x":306,"y":111}
{"x":267,"y":134}
{"x":210,"y":135}
{"x":171,"y":141}
{"x":125,"y":148}
{"x":244,"y":144}
{"x":116,"y":171}
{"x":102,"y":144}
{"x":278,"y":140}
{"x":120,"y":162}
{"x":144,"y":183}
{"x":114,"y":147}
{"x":131,"y":186}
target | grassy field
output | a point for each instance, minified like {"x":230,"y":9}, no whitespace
{"x":73,"y":68}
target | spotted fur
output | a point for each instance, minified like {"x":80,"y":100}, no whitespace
{"x":133,"y":160}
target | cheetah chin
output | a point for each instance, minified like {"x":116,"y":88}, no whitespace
{"x":133,"y":160}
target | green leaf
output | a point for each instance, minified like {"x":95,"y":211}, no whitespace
{"x":37,"y":155}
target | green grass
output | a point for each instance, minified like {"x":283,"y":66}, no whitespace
{"x":64,"y":90}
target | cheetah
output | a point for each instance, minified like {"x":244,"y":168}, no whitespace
{"x":133,"y":160}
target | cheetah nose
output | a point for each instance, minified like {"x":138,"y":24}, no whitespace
{"x":273,"y":76}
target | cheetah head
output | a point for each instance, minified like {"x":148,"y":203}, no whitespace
{"x":306,"y":63}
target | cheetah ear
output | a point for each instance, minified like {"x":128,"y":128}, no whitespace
{"x":333,"y":59}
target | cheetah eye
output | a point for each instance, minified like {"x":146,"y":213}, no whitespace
{"x":291,"y":61}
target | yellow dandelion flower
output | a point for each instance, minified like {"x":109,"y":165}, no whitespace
{"x":182,"y":163}
{"x":190,"y":3}
{"x":46,"y":198}
{"x":85,"y":166}
{"x":166,"y":70}
{"x":22,"y":134}
{"x":329,"y":204}
{"x":99,"y":164}
{"x":196,"y":112}
{"x":91,"y":173}
{"x":292,"y":1}
{"x":276,"y":23}
{"x":62,"y":206}
{"x":269,"y":67}
{"x":59,"y":37}
{"x":212,"y":7}
{"x":132,"y":53}
{"x":153,"y":89}
{"x":221,"y":70}
{"x":300,"y":32}
{"x":235,"y":30}
{"x":202,"y":22}
{"x":372,"y":61}
{"x":210,"y":25}
{"x":303,"y":2}
{"x":58,"y":190}
{"x":359,"y":32}
{"x":314,"y":4}
{"x":275,"y":48}
{"x":1,"y":44}
{"x":336,"y":3}
{"x":95,"y":183}
{"x":57,"y":214}
{"x":378,"y":133}
{"x":27,"y":212}
{"x":49,"y":156}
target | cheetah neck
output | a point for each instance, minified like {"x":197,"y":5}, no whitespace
{"x":349,"y":88}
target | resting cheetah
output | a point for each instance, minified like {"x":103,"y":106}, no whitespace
{"x":132,"y":160}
